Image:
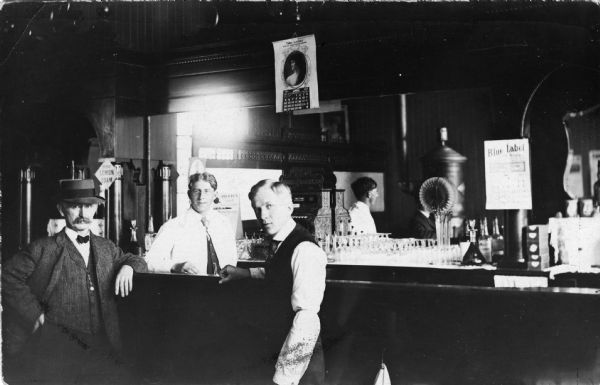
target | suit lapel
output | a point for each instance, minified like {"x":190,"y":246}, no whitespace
{"x":101,"y":258}
{"x":62,"y":241}
{"x":70,"y":249}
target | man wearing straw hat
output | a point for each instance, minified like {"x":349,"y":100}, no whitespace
{"x":59,"y":295}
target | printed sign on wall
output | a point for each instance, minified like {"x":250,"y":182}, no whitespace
{"x":573,"y":178}
{"x":507,"y":174}
{"x":296,"y":86}
{"x":594,"y":156}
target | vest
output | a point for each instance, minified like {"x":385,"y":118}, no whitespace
{"x":75,"y":300}
{"x":279,"y":280}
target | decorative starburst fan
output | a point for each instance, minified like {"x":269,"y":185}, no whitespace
{"x":438,"y":195}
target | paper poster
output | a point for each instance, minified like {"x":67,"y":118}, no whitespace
{"x":594,"y":156}
{"x":573,"y":181}
{"x":296,"y":86}
{"x":507,"y":174}
{"x":239,"y":181}
{"x":229,"y":205}
{"x":576,"y":241}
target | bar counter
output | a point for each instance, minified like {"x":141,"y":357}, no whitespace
{"x":431,"y":325}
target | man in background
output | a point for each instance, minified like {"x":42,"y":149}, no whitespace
{"x":295,"y":283}
{"x":59,"y":296}
{"x":365,"y":191}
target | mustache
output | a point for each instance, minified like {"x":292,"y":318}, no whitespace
{"x":82,"y":220}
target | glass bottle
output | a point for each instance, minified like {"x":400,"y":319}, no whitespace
{"x":454,"y":240}
{"x":473,"y":255}
{"x":497,"y":242}
{"x":485,"y":241}
{"x":134,"y":246}
{"x":149,"y":237}
{"x":465,"y":235}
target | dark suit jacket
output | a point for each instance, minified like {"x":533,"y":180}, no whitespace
{"x":422,"y":227}
{"x":30,"y":277}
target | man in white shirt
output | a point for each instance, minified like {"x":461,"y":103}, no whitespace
{"x":295,"y":272}
{"x":365,"y":191}
{"x":200,"y":241}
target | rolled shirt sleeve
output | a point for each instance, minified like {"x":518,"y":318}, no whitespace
{"x":308,"y":268}
{"x":158,"y":257}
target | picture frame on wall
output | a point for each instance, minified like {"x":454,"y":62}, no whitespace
{"x":335,"y":126}
{"x":329,"y":122}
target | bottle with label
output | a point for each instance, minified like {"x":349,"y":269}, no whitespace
{"x":465,"y":235}
{"x":485,"y":241}
{"x":497,"y":242}
{"x":134,"y":246}
{"x":473,"y":256}
{"x":454,"y":240}
{"x":596,"y":188}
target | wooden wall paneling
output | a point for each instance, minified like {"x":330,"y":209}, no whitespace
{"x":220,"y":62}
{"x":305,"y":128}
{"x":242,"y":99}
{"x":467,"y":115}
{"x":163,"y":138}
{"x":220,"y":82}
{"x":130,"y":81}
{"x":129,"y":137}
{"x":264,"y":123}
{"x":100,"y":87}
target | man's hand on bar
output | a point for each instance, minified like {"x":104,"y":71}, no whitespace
{"x":231,"y":273}
{"x":185,"y":268}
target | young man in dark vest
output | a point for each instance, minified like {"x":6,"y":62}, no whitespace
{"x":295,"y":278}
{"x":59,"y":295}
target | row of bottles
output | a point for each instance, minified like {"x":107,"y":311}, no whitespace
{"x":485,"y":249}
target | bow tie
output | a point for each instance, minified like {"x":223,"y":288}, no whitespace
{"x":81,"y":239}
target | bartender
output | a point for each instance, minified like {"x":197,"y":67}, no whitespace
{"x":200,"y":241}
{"x":365,"y":191}
{"x":422,"y":225}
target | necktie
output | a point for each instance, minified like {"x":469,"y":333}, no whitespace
{"x":81,"y":239}
{"x":212,"y":261}
{"x":274,"y":246}
{"x":273,"y":250}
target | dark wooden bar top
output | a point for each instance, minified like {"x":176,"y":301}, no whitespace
{"x":463,"y":276}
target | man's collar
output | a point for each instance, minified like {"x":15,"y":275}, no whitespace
{"x":72,"y":234}
{"x":286,"y":229}
{"x":194,"y":215}
{"x":191,"y":216}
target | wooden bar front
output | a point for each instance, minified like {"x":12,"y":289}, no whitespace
{"x":189,"y":329}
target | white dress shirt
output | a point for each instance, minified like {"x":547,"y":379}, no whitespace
{"x":308,"y":269}
{"x":83,"y":248}
{"x":183,"y":239}
{"x":361,"y":219}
